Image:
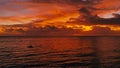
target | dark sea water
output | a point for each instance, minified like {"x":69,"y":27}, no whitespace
{"x":60,"y":52}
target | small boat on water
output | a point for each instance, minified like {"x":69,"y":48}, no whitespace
{"x":30,"y":46}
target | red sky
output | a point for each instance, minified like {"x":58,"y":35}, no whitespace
{"x":24,"y":16}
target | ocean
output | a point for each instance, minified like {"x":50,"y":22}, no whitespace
{"x":60,"y":52}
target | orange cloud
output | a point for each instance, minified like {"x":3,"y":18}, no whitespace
{"x":26,"y":12}
{"x":28,"y":17}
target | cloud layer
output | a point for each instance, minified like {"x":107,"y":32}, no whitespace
{"x":75,"y":17}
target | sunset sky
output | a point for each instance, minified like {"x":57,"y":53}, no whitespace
{"x":59,"y":17}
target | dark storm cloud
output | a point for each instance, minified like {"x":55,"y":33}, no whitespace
{"x":76,"y":3}
{"x":95,"y":19}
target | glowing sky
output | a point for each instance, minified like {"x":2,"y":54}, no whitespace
{"x":20,"y":17}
